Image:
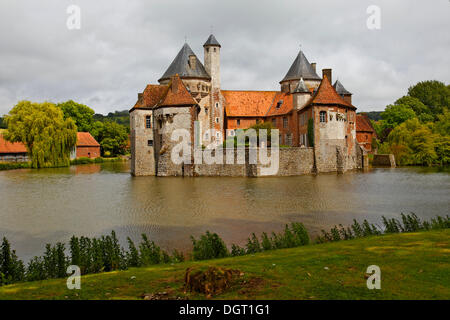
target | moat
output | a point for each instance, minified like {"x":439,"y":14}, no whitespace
{"x":49,"y":205}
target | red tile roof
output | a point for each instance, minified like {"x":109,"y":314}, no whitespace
{"x":326,"y":94}
{"x":84,"y":139}
{"x":177,"y":94}
{"x":363,"y":123}
{"x":286,"y":104}
{"x":172,"y":94}
{"x":248,"y":103}
{"x":11,"y":147}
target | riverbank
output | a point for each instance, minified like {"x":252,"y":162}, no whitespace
{"x":27,"y":165}
{"x":413,"y":266}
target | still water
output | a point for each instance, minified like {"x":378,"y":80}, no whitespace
{"x":49,"y":205}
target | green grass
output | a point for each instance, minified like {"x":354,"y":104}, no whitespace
{"x":413,"y":266}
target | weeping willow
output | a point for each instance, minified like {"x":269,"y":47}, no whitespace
{"x":48,"y":137}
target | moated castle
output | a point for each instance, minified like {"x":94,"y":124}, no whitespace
{"x":189,"y":91}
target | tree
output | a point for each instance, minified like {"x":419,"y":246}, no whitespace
{"x":81,"y":114}
{"x":422,"y":111}
{"x":112,"y":137}
{"x":2,"y":123}
{"x":48,"y":137}
{"x":396,"y":114}
{"x":434,"y":94}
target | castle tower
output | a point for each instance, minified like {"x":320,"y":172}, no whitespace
{"x":212,"y":60}
{"x":212,"y":66}
{"x":300,"y":68}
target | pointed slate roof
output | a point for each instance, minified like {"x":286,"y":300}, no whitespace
{"x":180,"y":65}
{"x":301,"y":68}
{"x":327,"y":95}
{"x":212,"y":41}
{"x":301,"y":87}
{"x":340,"y":88}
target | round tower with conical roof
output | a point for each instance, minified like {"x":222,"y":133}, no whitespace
{"x":212,"y":60}
{"x":212,"y":66}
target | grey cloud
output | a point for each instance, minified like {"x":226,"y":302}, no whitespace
{"x":123,"y":45}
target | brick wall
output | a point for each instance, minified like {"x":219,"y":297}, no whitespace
{"x":88,"y":152}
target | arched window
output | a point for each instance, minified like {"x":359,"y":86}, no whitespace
{"x":323,"y":116}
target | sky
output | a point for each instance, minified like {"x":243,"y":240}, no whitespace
{"x":124,"y":45}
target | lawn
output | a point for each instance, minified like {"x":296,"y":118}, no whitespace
{"x":413,"y":266}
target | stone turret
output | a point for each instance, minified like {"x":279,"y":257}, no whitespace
{"x":212,"y":60}
{"x":212,"y":66}
{"x":301,"y":95}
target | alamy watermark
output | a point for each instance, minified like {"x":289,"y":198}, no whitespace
{"x":74,"y":280}
{"x":373,"y":22}
{"x":215,"y":153}
{"x":374,"y":280}
{"x":74,"y":19}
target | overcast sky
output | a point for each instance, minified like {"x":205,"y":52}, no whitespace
{"x":124,"y":45}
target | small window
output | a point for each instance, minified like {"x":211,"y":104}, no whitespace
{"x":285,"y":122}
{"x":206,"y":111}
{"x":323,"y":116}
{"x":238,"y":122}
{"x":218,"y":134}
{"x":150,"y":143}
{"x":214,"y":49}
{"x":274,"y":122}
{"x":148,"y":122}
{"x":279,"y":103}
{"x":217,"y":104}
{"x":217,"y":119}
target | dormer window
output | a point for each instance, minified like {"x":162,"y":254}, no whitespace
{"x":279,"y":103}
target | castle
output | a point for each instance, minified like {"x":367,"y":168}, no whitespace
{"x":315,"y":118}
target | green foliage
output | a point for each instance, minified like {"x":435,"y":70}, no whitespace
{"x":409,"y":223}
{"x":310,"y":132}
{"x":396,"y":114}
{"x":14,"y":165}
{"x":209,"y":246}
{"x":112,"y":137}
{"x":373,"y":115}
{"x":105,"y":254}
{"x":414,"y":143}
{"x":417,"y":106}
{"x":433,"y":94}
{"x":85,"y":160}
{"x":81,"y":114}
{"x":2,"y":123}
{"x":120,"y":117}
{"x":11,"y":269}
{"x":49,"y":137}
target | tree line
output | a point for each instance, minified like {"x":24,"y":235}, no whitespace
{"x":416,"y":127}
{"x":49,"y":130}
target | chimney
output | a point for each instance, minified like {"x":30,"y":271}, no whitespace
{"x":314,"y":66}
{"x":327,"y":72}
{"x":192,"y":61}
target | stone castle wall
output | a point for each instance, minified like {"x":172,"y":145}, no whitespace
{"x":292,"y":162}
{"x":142,"y":155}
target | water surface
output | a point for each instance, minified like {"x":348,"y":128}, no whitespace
{"x":50,"y":205}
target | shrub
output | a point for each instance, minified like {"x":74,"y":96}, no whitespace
{"x":209,"y":246}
